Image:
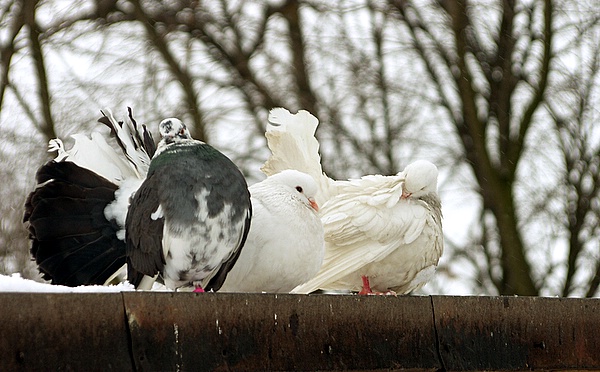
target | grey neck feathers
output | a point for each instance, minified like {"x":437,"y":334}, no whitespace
{"x":433,"y":201}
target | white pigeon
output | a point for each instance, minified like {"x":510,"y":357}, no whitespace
{"x":383,"y":234}
{"x":284,"y":247}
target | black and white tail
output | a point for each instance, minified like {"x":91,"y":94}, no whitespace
{"x":76,"y":214}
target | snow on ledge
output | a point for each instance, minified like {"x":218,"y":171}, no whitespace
{"x":15,"y":283}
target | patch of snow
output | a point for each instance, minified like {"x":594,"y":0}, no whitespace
{"x":15,"y":283}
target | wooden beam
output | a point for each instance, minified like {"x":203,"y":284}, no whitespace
{"x":221,"y":331}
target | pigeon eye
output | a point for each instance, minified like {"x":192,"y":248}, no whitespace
{"x":299,"y":188}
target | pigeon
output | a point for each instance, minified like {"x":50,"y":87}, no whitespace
{"x":383,"y":234}
{"x":189,"y":219}
{"x":76,"y":216}
{"x":284,"y":247}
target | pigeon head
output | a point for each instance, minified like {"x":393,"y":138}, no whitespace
{"x":420,"y":178}
{"x":301,"y":185}
{"x":173,"y":129}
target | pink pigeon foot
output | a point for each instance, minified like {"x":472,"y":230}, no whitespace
{"x":198,"y":289}
{"x":366,"y":289}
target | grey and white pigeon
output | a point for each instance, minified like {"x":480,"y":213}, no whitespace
{"x":284,"y":247}
{"x":383,"y":234}
{"x":76,"y":216}
{"x":189,"y":219}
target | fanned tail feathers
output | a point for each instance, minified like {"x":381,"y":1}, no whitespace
{"x":75,"y":237}
{"x":138,"y":149}
{"x":291,"y":139}
{"x":72,"y":241}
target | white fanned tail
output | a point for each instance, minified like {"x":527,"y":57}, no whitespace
{"x":294,"y":146}
{"x":98,"y":156}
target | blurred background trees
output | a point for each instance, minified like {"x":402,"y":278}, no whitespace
{"x":503,"y":95}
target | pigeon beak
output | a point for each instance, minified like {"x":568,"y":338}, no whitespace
{"x":313,"y":204}
{"x":405,"y":194}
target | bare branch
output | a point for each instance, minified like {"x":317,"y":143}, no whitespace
{"x":46,"y":127}
{"x":502,"y":88}
{"x":517,"y":143}
{"x":415,"y":24}
{"x":181,"y":74}
{"x":307,"y":99}
{"x":7,"y":51}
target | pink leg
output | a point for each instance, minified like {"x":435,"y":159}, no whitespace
{"x":366,"y":289}
{"x":198,"y":289}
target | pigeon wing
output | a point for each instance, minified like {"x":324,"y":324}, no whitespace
{"x":144,"y":233}
{"x":362,"y":228}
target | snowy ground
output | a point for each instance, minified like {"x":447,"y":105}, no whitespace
{"x":14,"y":283}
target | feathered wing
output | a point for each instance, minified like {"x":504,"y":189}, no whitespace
{"x":291,"y":138}
{"x":219,"y":277}
{"x":369,"y":226}
{"x":144,"y":235}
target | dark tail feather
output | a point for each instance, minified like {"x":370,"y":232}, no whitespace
{"x":72,"y":241}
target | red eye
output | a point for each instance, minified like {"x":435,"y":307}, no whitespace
{"x":299,"y":188}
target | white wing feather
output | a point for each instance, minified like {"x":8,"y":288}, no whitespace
{"x":361,"y":231}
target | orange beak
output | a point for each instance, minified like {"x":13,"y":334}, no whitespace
{"x":313,"y":204}
{"x":405,"y":194}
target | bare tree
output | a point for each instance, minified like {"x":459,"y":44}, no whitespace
{"x":475,"y":86}
{"x":579,"y":141}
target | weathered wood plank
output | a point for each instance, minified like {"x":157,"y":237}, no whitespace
{"x":215,"y":331}
{"x":69,"y":332}
{"x":518,"y":333}
{"x":220,"y":331}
